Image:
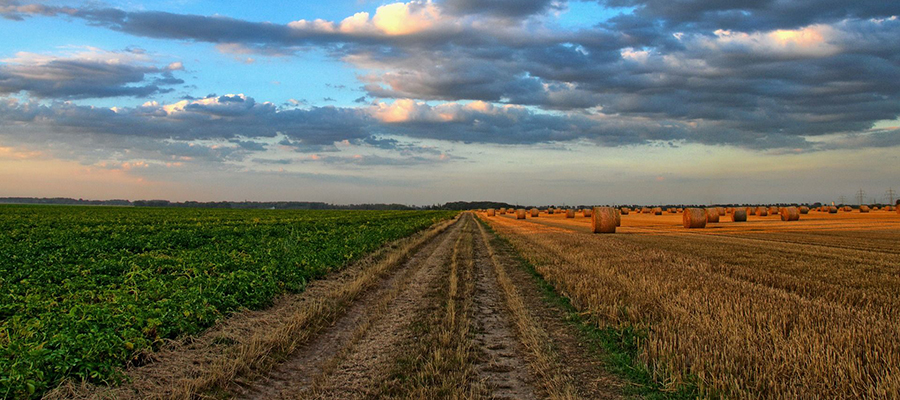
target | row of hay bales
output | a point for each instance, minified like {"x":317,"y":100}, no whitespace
{"x":862,"y":209}
{"x":698,"y":218}
{"x":533,"y":212}
{"x":606,"y":219}
{"x":759,"y":211}
{"x":603,"y":219}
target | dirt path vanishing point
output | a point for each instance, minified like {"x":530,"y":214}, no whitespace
{"x":455,"y":317}
{"x":459,"y":319}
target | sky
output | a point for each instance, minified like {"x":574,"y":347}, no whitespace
{"x":422,"y":102}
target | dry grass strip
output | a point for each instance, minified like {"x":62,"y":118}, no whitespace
{"x":544,"y":360}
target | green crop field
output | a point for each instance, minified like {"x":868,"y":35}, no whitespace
{"x":86,"y":290}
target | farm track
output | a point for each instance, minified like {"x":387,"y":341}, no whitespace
{"x":455,"y":317}
{"x":452,"y":322}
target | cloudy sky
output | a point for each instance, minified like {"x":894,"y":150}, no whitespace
{"x":529,"y":101}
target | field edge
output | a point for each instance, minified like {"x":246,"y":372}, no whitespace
{"x":615,"y":346}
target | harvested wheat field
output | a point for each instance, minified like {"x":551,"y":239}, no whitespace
{"x":766,"y":309}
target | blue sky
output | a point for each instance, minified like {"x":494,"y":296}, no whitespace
{"x":529,"y":101}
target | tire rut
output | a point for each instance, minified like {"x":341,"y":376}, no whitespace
{"x":503,"y":368}
{"x":365,"y":363}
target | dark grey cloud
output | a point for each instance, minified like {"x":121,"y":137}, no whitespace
{"x":85,"y":75}
{"x":362,"y":161}
{"x":250,"y":144}
{"x":503,"y":8}
{"x":204,"y":119}
{"x":751,"y":15}
{"x":269,"y":161}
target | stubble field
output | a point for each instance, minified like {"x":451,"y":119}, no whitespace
{"x":761,"y":309}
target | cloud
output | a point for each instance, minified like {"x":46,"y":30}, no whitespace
{"x":359,"y":160}
{"x":743,"y":16}
{"x":88,"y":73}
{"x":503,"y":8}
{"x":763,"y":76}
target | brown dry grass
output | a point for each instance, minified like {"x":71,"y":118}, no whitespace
{"x":758,"y":309}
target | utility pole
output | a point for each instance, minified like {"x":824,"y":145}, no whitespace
{"x":890,"y":195}
{"x":860,"y":196}
{"x":842,"y":200}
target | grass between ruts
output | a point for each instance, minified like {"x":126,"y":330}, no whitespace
{"x":617,"y":346}
{"x":440,"y":363}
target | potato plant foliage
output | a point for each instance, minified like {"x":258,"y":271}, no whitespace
{"x":84,"y":291}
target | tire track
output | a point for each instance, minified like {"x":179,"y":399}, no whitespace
{"x":502,"y":367}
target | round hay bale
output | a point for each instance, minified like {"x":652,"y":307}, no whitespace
{"x":618,"y":217}
{"x":520,"y":213}
{"x":586,"y":212}
{"x":863,"y":209}
{"x":832,"y":210}
{"x":804,"y":210}
{"x":762,"y":212}
{"x":694,"y":218}
{"x":603,"y":220}
{"x":645,"y":210}
{"x":503,"y":211}
{"x":712,"y":215}
{"x":739,"y":215}
{"x":672,"y":210}
{"x":657,"y":211}
{"x":790,"y":214}
{"x":625,"y":210}
{"x":491,"y":212}
{"x":773,"y":210}
{"x":570,"y":213}
{"x":549,"y":211}
{"x":680,"y":210}
{"x":535,"y":212}
{"x":720,"y":210}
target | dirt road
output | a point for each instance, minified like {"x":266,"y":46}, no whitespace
{"x":458,"y":319}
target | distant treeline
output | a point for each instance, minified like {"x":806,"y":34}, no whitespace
{"x":314,"y":205}
{"x":277,"y":205}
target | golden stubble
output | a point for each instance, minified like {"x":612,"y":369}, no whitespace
{"x":762,"y":309}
